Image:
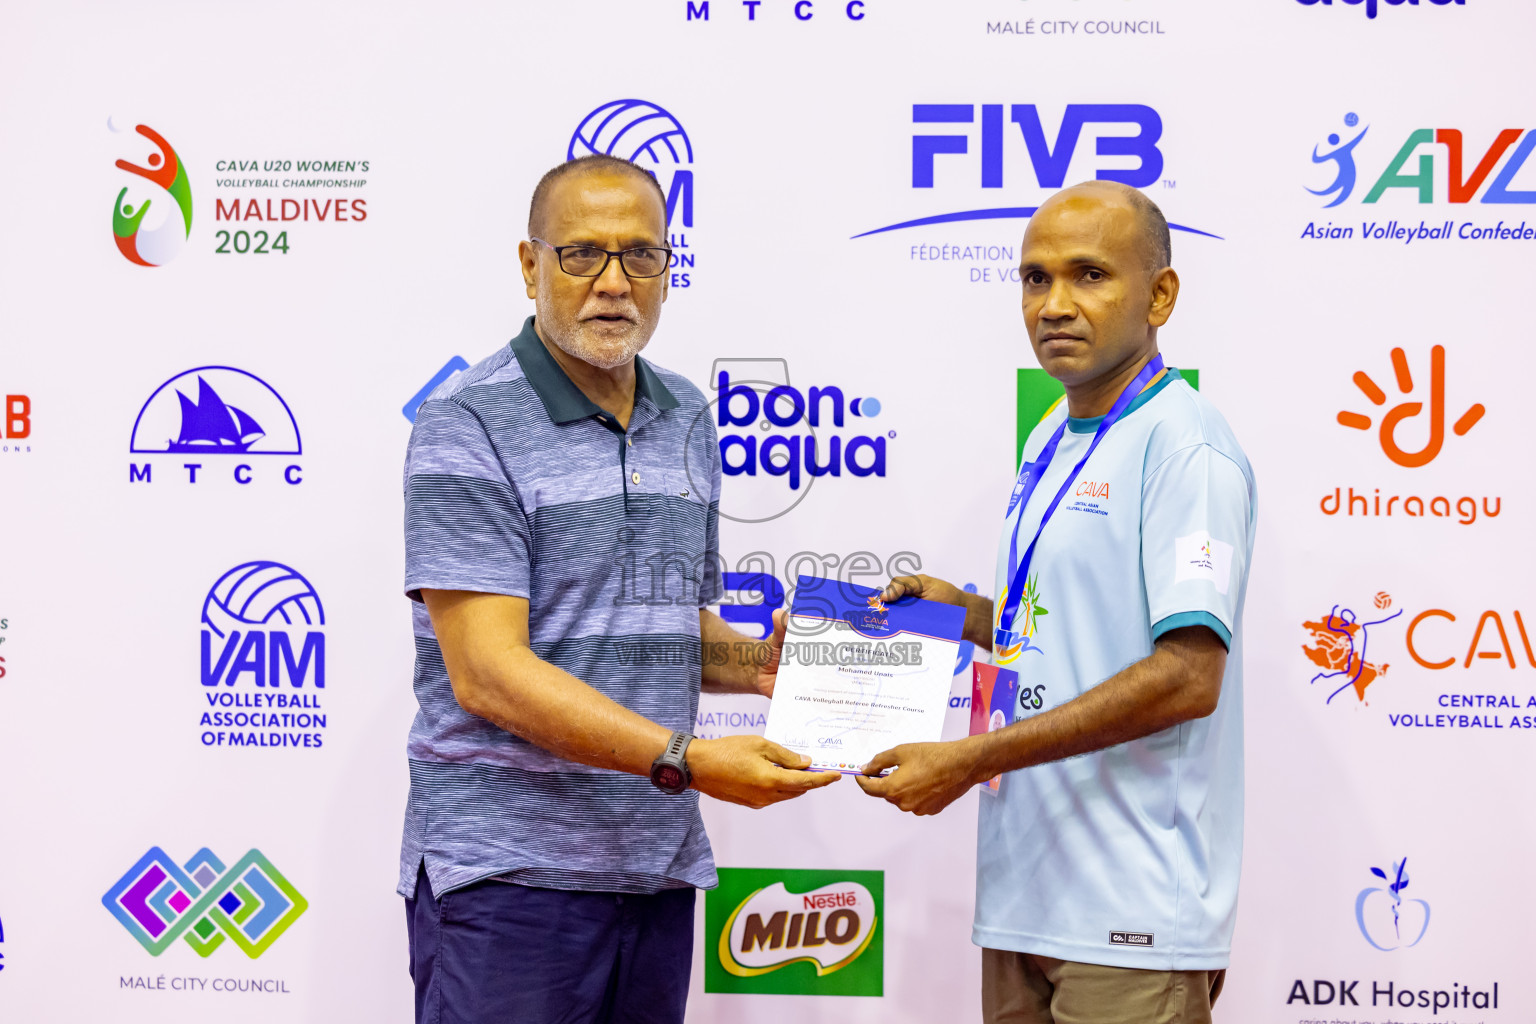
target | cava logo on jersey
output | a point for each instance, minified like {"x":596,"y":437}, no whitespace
{"x":151,"y":241}
{"x":1372,"y":6}
{"x":263,"y":659}
{"x":1387,"y":920}
{"x":957,"y":147}
{"x":1430,"y":166}
{"x":216,"y":412}
{"x":1426,"y":424}
{"x":648,"y":135}
{"x":778,"y":439}
{"x":202,"y":902}
{"x":795,"y":931}
{"x":1340,"y":641}
{"x":16,"y":425}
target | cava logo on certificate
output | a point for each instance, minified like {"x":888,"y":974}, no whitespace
{"x":859,"y":676}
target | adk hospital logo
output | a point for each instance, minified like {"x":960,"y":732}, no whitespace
{"x":648,"y":135}
{"x":220,"y":413}
{"x":1424,"y":167}
{"x":159,"y":184}
{"x":263,"y":660}
{"x":204,"y":903}
{"x":795,"y":932}
{"x":959,"y":147}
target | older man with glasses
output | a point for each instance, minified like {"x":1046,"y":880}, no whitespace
{"x":561,"y":558}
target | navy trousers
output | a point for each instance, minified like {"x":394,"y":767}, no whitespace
{"x":497,"y":953}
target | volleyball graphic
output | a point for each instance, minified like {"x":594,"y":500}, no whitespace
{"x":634,"y":130}
{"x":260,"y":594}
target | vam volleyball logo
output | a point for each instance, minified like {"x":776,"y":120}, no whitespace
{"x":202,"y":902}
{"x":647,"y":134}
{"x":263,"y":642}
{"x":151,"y":224}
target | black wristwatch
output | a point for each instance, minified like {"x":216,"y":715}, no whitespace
{"x":669,"y":772}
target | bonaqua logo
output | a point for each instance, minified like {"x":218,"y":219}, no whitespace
{"x":142,"y":239}
{"x":204,"y":903}
{"x":1372,"y":6}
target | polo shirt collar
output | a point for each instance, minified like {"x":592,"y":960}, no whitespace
{"x":563,"y":400}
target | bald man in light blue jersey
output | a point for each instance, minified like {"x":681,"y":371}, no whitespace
{"x":1108,"y":860}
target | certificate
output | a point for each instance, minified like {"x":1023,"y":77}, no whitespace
{"x":859,"y":676}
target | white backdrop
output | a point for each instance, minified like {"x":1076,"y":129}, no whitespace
{"x":437,"y":121}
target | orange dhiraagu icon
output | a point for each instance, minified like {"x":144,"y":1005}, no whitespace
{"x":1396,"y":415}
{"x":142,"y":242}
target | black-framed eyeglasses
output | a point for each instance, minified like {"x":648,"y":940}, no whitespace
{"x":590,"y":261}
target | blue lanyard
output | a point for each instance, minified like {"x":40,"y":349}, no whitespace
{"x":1029,"y":478}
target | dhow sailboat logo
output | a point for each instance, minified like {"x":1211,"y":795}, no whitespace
{"x":215,"y":411}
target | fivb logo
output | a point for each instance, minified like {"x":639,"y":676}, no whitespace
{"x":1462,"y":185}
{"x":648,"y":135}
{"x":152,"y":241}
{"x":263,"y":625}
{"x":1371,"y":6}
{"x":216,"y":411}
{"x":204,"y":903}
{"x":1050,"y":162}
{"x":789,"y":931}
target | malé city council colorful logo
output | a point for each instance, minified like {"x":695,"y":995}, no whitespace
{"x":203,"y":902}
{"x":142,"y":239}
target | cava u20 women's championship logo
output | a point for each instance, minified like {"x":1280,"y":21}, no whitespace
{"x":153,"y":241}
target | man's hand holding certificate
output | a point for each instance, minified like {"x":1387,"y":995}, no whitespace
{"x":858,"y":676}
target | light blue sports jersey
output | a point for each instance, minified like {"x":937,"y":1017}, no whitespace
{"x":1128,"y":856}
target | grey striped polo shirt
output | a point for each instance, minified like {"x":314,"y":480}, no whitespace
{"x":517,"y":484}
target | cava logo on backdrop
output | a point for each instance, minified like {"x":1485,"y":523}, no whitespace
{"x":648,"y":135}
{"x":1431,"y":166}
{"x":16,"y":425}
{"x":263,"y":659}
{"x":1422,"y":416}
{"x":152,"y":241}
{"x":216,"y":412}
{"x":1372,"y":6}
{"x":1340,"y":643}
{"x":995,"y":145}
{"x":795,"y":932}
{"x":204,"y":903}
{"x":769,"y":441}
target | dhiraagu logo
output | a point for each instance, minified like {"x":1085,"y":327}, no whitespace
{"x":795,"y":932}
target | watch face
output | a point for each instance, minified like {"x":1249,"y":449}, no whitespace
{"x":669,"y":778}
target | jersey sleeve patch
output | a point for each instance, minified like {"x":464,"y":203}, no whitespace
{"x":1199,"y":556}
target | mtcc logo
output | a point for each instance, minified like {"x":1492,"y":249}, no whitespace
{"x":648,"y":135}
{"x":1371,"y":6}
{"x":1387,"y":920}
{"x":1463,"y":178}
{"x":145,"y":239}
{"x":782,"y":439}
{"x":216,"y":411}
{"x":1408,"y":410}
{"x":159,"y":901}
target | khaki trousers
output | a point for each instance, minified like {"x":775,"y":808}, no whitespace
{"x":1022,"y":988}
